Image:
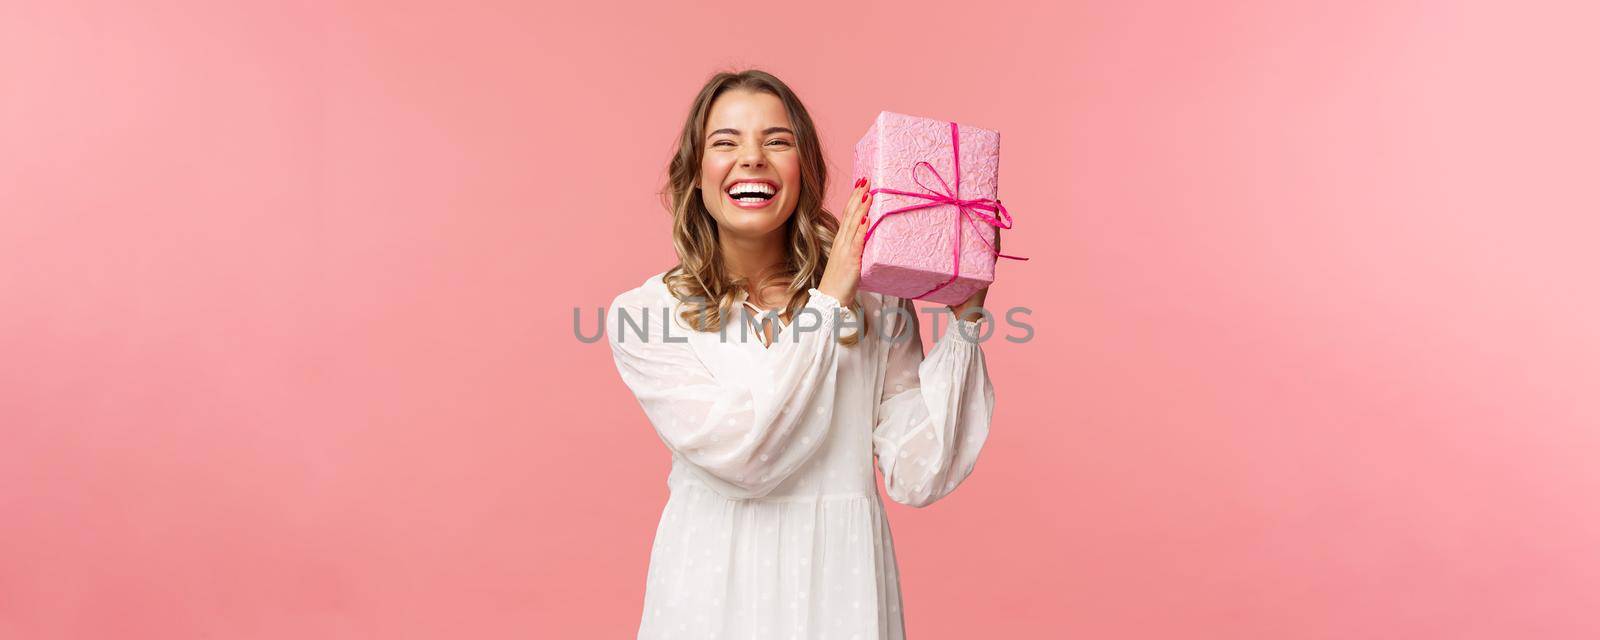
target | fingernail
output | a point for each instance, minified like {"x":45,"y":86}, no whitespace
{"x":864,"y":196}
{"x":860,"y":181}
{"x":863,"y":219}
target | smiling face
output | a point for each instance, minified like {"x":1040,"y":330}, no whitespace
{"x":750,"y":151}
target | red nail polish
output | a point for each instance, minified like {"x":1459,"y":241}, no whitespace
{"x":860,"y":181}
{"x":864,"y":195}
{"x":863,"y":219}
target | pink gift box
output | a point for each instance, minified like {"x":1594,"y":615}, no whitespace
{"x":913,"y":254}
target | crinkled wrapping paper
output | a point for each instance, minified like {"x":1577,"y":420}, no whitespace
{"x":913,"y":252}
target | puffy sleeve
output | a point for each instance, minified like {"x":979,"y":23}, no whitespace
{"x":933,"y":413}
{"x":746,"y":434}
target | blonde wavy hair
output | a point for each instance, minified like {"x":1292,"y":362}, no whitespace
{"x":700,"y":281}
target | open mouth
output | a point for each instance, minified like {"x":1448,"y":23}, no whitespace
{"x":752,"y":195}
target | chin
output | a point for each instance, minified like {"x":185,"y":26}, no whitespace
{"x":748,"y":216}
{"x":757,"y":230}
{"x":755,"y":223}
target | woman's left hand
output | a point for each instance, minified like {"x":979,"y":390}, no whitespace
{"x":975,"y":301}
{"x":969,"y":310}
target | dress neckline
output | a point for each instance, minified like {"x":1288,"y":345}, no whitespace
{"x":779,"y":325}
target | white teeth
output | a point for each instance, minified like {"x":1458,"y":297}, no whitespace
{"x":752,"y":187}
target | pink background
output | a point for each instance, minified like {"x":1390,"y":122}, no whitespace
{"x":287,"y":351}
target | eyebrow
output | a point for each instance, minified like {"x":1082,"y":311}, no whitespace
{"x":767,"y":131}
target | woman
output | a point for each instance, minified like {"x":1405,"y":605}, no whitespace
{"x":774,"y":527}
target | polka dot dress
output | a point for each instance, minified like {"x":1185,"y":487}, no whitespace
{"x":774,"y":526}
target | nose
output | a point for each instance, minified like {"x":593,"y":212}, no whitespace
{"x":752,"y":158}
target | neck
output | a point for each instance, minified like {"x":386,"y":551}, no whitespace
{"x":751,"y":258}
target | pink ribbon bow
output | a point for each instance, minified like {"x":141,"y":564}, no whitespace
{"x":969,"y":209}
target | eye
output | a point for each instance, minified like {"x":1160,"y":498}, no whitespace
{"x":780,"y":141}
{"x":721,"y":142}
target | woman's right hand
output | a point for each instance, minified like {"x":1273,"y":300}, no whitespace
{"x":843,"y":272}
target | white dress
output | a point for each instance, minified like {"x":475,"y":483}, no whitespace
{"x":774,"y":527}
